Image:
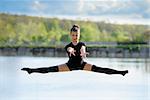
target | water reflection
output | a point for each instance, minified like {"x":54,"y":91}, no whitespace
{"x":76,"y":85}
{"x":141,"y":64}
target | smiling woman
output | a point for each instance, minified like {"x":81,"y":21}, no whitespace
{"x":76,"y":51}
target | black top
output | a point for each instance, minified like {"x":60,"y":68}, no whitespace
{"x":76,"y":60}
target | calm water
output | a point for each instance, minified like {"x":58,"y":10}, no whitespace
{"x":76,"y":85}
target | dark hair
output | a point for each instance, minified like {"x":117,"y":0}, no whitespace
{"x":75,"y":28}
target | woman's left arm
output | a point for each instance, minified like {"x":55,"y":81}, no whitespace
{"x":83,"y":52}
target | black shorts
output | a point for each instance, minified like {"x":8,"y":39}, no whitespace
{"x":76,"y":66}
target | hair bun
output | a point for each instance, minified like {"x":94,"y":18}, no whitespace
{"x":75,"y":28}
{"x":75,"y":25}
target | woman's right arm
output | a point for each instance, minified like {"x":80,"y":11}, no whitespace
{"x":71,"y":51}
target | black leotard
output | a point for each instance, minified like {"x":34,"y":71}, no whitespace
{"x":75,"y":62}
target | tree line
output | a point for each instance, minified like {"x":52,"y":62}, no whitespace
{"x":22,"y":30}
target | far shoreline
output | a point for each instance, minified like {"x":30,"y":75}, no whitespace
{"x":94,"y":51}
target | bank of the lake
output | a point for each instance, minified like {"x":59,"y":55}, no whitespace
{"x":117,"y":52}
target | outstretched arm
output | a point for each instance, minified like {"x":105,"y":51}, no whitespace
{"x":71,"y":51}
{"x":83,"y":52}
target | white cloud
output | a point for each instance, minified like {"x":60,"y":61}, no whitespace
{"x":148,"y":8}
{"x":119,"y":11}
{"x":80,"y":5}
{"x":38,"y":6}
{"x":114,"y":7}
{"x":100,"y":7}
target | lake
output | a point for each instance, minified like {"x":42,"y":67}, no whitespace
{"x":75,"y":85}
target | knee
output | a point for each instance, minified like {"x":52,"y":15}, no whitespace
{"x":53,"y":69}
{"x":94,"y":68}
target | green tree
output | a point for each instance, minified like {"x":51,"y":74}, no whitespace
{"x":90,"y":32}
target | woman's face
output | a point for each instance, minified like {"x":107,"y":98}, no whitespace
{"x":75,"y":36}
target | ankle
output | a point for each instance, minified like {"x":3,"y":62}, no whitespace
{"x":123,"y":73}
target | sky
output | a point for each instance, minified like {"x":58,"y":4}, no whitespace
{"x":111,"y":11}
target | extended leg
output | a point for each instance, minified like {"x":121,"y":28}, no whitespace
{"x":94,"y":68}
{"x":59,"y":68}
{"x":41,"y":70}
{"x":108,"y":70}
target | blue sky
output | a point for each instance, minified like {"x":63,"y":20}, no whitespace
{"x":114,"y":11}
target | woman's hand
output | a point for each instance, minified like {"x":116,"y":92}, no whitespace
{"x":71,"y":51}
{"x":83,"y":52}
